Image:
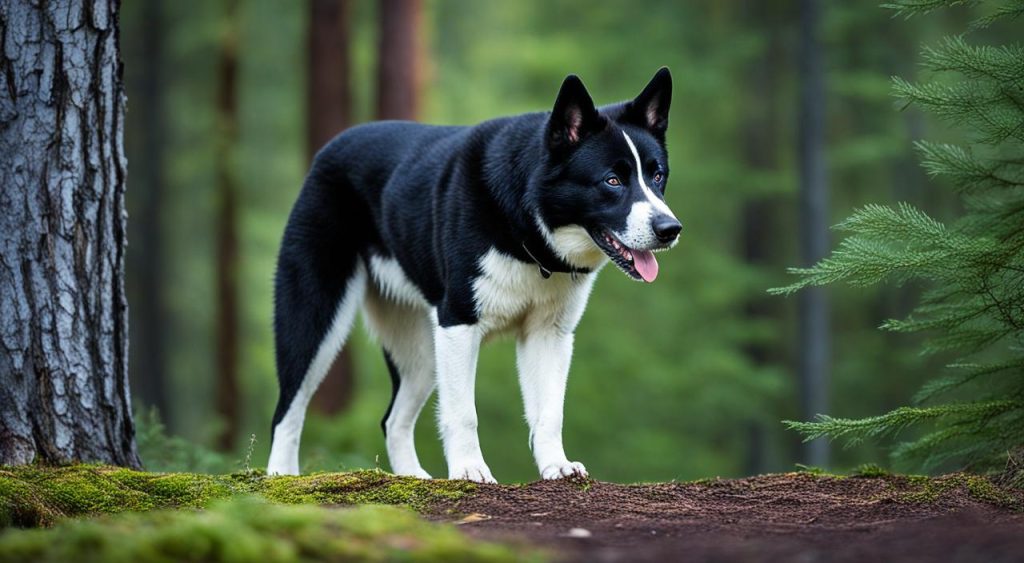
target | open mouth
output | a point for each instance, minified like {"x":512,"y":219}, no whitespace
{"x":637,"y":264}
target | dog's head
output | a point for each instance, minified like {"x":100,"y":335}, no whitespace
{"x":603,"y":192}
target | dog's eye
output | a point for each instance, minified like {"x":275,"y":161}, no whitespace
{"x":613,"y":180}
{"x":658,"y":177}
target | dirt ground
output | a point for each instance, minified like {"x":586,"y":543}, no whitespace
{"x":788,"y":517}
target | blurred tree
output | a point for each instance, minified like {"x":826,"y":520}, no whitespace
{"x":759,"y":211}
{"x":146,"y":255}
{"x":227,"y":393}
{"x":814,"y":219}
{"x":328,"y":112}
{"x":401,"y":59}
{"x":63,"y":364}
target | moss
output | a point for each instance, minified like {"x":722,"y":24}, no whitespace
{"x":22,"y":506}
{"x":870,"y":471}
{"x":583,"y":484}
{"x":361,"y":487}
{"x":922,"y":489}
{"x":814,"y":470}
{"x":250,"y":529}
{"x":39,"y":496}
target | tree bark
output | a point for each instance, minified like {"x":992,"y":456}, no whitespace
{"x":328,"y":112}
{"x":63,"y":314}
{"x":400,"y":63}
{"x":146,"y":255}
{"x":227,"y":393}
{"x":815,"y":339}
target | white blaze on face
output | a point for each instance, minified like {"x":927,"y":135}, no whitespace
{"x":639,"y":233}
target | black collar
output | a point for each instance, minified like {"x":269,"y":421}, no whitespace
{"x":557,"y":264}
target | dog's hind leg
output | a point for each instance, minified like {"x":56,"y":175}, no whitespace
{"x":406,"y":335}
{"x":310,"y":333}
{"x":318,"y":289}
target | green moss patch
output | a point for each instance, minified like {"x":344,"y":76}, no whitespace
{"x":251,"y":529}
{"x":362,"y":487}
{"x":32,"y":496}
{"x":921,"y":489}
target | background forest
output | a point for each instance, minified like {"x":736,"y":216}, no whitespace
{"x":688,"y":377}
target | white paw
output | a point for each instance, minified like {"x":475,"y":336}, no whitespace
{"x":563,"y":469}
{"x":471,"y":472}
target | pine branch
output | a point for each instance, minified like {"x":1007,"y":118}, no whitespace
{"x":995,"y":113}
{"x":909,"y":8}
{"x":1002,"y":65}
{"x":1009,"y":11}
{"x":964,"y":341}
{"x":949,"y":383}
{"x":892,"y":244}
{"x":966,"y":171}
{"x":856,"y":430}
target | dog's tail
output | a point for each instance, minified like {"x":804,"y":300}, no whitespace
{"x":318,"y":289}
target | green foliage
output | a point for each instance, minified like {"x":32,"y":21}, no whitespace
{"x":249,"y":529}
{"x":161,"y":452}
{"x":975,"y":265}
{"x":33,"y":496}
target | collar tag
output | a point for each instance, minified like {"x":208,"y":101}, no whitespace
{"x":544,"y":272}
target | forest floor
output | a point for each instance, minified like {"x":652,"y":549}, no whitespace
{"x":110,"y":513}
{"x":783,"y":517}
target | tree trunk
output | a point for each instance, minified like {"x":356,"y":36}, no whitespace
{"x":814,"y":329}
{"x":63,"y":315}
{"x":400,"y":63}
{"x":328,"y":112}
{"x":227,"y":392}
{"x":329,"y":92}
{"x":146,"y":255}
{"x":759,"y":212}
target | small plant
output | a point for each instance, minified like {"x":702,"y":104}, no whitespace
{"x":247,"y":466}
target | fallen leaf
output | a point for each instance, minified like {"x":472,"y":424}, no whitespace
{"x":474,"y":517}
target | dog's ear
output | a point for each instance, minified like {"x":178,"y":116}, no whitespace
{"x":574,"y":116}
{"x":650,"y":109}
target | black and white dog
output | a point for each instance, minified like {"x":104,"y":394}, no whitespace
{"x":449,"y":235}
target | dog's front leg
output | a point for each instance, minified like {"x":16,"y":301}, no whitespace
{"x":543,"y":359}
{"x":457,"y":348}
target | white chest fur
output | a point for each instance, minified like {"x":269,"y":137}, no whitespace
{"x":512,"y":295}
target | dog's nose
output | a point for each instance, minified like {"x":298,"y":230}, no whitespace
{"x":666,"y":228}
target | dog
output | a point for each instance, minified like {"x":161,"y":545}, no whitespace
{"x":446,"y":236}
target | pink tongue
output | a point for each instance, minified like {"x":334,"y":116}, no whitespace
{"x":646,"y":264}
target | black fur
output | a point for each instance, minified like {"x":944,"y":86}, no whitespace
{"x":437,"y":198}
